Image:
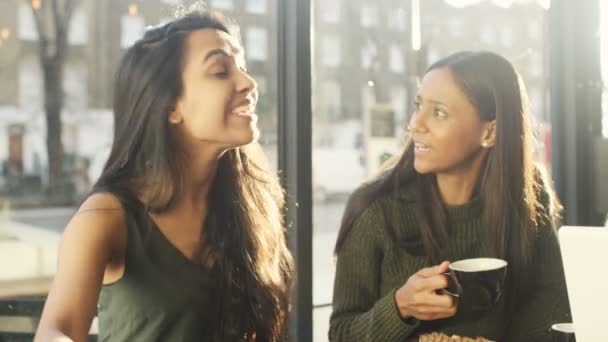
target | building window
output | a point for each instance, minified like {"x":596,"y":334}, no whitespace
{"x":433,"y":55}
{"x":397,"y":20}
{"x":396,"y":62}
{"x":368,"y":53}
{"x":604,"y":63}
{"x":330,"y":51}
{"x":257,"y":6}
{"x":27,"y":27}
{"x":329,"y":11}
{"x":133,"y":27}
{"x":506,"y":37}
{"x":79,"y":27}
{"x":331,"y":100}
{"x":222,"y":4}
{"x":369,"y":15}
{"x":535,"y":99}
{"x":75,"y":85}
{"x":262,"y":84}
{"x":399,"y":101}
{"x":534,"y":29}
{"x":455,"y":26}
{"x":30,"y":84}
{"x":488,"y":34}
{"x":536,"y":65}
{"x":257,"y":45}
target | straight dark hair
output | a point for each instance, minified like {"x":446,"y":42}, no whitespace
{"x":244,"y":232}
{"x":515,"y":195}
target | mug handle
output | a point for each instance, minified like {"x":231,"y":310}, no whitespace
{"x":451,"y":285}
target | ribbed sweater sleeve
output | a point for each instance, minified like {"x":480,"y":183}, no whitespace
{"x":360,"y":311}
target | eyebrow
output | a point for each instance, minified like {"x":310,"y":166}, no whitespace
{"x":436,"y":102}
{"x":222,"y":52}
{"x":215,"y":52}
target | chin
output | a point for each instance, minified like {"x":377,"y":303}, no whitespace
{"x":422,"y":169}
{"x":246,"y":138}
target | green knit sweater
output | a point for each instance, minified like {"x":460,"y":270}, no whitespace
{"x":371,"y":267}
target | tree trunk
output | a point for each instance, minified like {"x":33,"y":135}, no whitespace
{"x":53,"y":104}
{"x":52,"y":22}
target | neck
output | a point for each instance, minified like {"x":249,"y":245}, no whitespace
{"x":200,"y":173}
{"x":458,"y":187}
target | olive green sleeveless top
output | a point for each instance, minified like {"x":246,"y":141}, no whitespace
{"x":162,"y":295}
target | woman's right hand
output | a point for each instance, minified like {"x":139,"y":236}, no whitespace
{"x":419,"y":296}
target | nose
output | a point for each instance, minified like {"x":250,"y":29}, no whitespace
{"x":417,"y":123}
{"x":246,"y":84}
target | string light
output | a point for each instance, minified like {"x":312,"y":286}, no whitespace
{"x":133,"y":10}
{"x":5,"y":33}
{"x":416,"y":35}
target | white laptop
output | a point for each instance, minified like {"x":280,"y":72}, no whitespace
{"x":585,"y":257}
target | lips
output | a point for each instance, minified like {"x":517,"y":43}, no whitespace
{"x":420,"y":147}
{"x":244,"y":111}
{"x":245,"y":108}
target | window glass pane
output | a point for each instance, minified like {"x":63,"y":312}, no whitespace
{"x":79,"y":27}
{"x":329,"y":11}
{"x":330,"y":51}
{"x":604,"y":59}
{"x":368,"y":53}
{"x":32,"y":217}
{"x":257,"y":6}
{"x":222,"y":4}
{"x":257,"y":44}
{"x":377,"y":74}
{"x":132,"y":29}
{"x":396,"y":59}
{"x":369,"y":15}
{"x":397,"y":20}
{"x":27,"y":25}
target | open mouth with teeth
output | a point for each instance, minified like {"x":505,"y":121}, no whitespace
{"x":243,"y":113}
{"x":248,"y":111}
{"x":419,"y":147}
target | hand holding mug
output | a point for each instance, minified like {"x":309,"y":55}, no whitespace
{"x":420,"y":297}
{"x":477,"y":283}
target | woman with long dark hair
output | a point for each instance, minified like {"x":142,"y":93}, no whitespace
{"x":466,"y":186}
{"x":182,"y":237}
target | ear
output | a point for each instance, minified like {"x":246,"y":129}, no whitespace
{"x":175,"y":116}
{"x":488,"y":138}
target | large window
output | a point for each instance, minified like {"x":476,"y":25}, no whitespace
{"x":367,"y":58}
{"x":32,"y":218}
{"x":395,"y":42}
{"x":604,"y":61}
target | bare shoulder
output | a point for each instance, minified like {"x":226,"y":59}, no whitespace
{"x":103,"y":209}
{"x":92,"y":243}
{"x":101,"y":218}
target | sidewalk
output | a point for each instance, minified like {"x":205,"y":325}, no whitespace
{"x":28,"y":259}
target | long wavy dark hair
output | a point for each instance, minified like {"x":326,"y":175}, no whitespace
{"x":516,"y":196}
{"x":244,"y":234}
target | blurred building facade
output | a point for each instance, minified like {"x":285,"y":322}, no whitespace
{"x":365,"y":53}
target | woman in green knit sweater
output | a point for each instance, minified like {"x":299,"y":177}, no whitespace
{"x":465,"y":186}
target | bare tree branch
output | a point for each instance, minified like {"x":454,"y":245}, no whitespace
{"x":56,"y":13}
{"x":39,"y":21}
{"x":69,"y":6}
